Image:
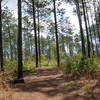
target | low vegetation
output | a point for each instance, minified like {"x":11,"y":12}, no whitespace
{"x":78,"y":65}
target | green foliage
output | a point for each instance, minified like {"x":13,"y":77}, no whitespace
{"x":77,"y":65}
{"x":53,"y":51}
{"x":13,"y":65}
{"x":49,"y":63}
{"x":52,"y":63}
{"x":29,"y":65}
{"x":44,"y":63}
{"x":10,"y":65}
{"x":43,"y":57}
{"x":63,"y":55}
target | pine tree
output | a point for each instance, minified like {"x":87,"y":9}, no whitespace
{"x":20,"y":64}
{"x":88,"y":40}
{"x":1,"y":49}
{"x":81,"y":29}
{"x":34,"y":21}
{"x":56,"y":33}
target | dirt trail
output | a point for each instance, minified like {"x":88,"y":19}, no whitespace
{"x":48,"y":84}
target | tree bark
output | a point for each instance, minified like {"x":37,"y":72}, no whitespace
{"x":20,"y":65}
{"x":1,"y":48}
{"x":97,"y":26}
{"x":39,"y":49}
{"x":34,"y":21}
{"x":89,"y":28}
{"x":11,"y":53}
{"x":81,"y":29}
{"x":94,"y":30}
{"x":56,"y":33}
{"x":88,"y":40}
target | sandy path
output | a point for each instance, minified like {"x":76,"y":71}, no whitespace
{"x":48,"y":84}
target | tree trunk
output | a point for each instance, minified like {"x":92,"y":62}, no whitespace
{"x":39,"y":37}
{"x":81,"y":29}
{"x":94,"y":31}
{"x":88,"y":41}
{"x":1,"y":49}
{"x":97,"y":26}
{"x":56,"y":33}
{"x":88,"y":21}
{"x":11,"y":53}
{"x":63,"y":45}
{"x":34,"y":21}
{"x":20,"y":65}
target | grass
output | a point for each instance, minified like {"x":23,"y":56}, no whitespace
{"x":49,"y":63}
{"x":78,"y":65}
{"x":29,"y":65}
{"x":75,"y":65}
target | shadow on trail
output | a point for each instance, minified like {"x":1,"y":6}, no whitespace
{"x":50,"y":82}
{"x":43,"y":72}
{"x":45,"y":80}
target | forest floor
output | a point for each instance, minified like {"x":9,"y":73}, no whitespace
{"x":49,"y":84}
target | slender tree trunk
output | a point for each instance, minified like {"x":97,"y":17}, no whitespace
{"x":56,"y":32}
{"x":97,"y":26}
{"x":81,"y":29}
{"x":1,"y":49}
{"x":39,"y":36}
{"x":11,"y":53}
{"x":31,"y":44}
{"x":62,"y":43}
{"x":88,"y":41}
{"x":28,"y":46}
{"x":88,"y":21}
{"x":94,"y":31}
{"x":20,"y":65}
{"x":34,"y":21}
{"x":49,"y":50}
{"x":15,"y":50}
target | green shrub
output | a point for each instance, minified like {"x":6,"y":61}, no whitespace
{"x":13,"y":65}
{"x":10,"y":65}
{"x":29,"y":65}
{"x":80,"y":65}
{"x":44,"y":63}
{"x":49,"y":63}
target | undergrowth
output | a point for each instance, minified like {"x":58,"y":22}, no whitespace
{"x":75,"y":65}
{"x":49,"y":63}
{"x":78,"y":65}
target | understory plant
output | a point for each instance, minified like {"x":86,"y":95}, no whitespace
{"x":81,"y":65}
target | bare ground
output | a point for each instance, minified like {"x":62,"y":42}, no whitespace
{"x":48,"y":84}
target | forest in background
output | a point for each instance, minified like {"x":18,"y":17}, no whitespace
{"x":43,"y":36}
{"x":43,"y":57}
